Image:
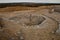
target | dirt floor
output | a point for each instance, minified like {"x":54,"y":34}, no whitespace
{"x":30,"y":23}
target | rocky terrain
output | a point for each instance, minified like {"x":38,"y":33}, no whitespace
{"x":30,"y":23}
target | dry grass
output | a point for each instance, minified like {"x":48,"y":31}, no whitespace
{"x":22,"y":8}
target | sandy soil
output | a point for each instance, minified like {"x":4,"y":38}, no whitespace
{"x":13,"y":30}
